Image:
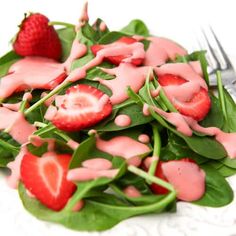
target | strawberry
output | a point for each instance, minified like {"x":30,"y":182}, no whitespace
{"x":159,"y":173}
{"x":82,"y":106}
{"x":37,"y":38}
{"x":45,"y":178}
{"x":116,"y":60}
{"x":197,"y":107}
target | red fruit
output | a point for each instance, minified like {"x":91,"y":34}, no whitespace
{"x":45,"y":178}
{"x":37,"y":38}
{"x":83,"y":106}
{"x":116,"y":60}
{"x":197,"y":107}
{"x":159,"y":173}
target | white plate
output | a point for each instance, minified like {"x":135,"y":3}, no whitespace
{"x":175,"y":19}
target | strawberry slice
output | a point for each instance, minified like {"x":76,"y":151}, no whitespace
{"x":82,"y":106}
{"x":45,"y":178}
{"x":116,"y":60}
{"x":197,"y":107}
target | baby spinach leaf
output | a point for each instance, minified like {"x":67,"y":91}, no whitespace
{"x":135,"y":113}
{"x":215,"y":116}
{"x":229,"y":162}
{"x":136,"y":27}
{"x":99,"y":33}
{"x":94,"y":215}
{"x":230,"y":122}
{"x":226,"y":171}
{"x":111,"y":37}
{"x":66,"y":36}
{"x":6,"y":61}
{"x":218,"y":191}
{"x":9,"y":148}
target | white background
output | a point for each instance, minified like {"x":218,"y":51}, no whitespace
{"x":177,"y":19}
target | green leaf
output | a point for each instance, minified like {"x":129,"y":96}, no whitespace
{"x":136,"y":27}
{"x":215,"y":117}
{"x":226,"y":171}
{"x":95,"y":215}
{"x":218,"y":191}
{"x":7,"y":61}
{"x":9,"y":148}
{"x":229,"y":162}
{"x":230,"y":123}
{"x":111,"y":37}
{"x":67,"y":36}
{"x":135,"y":113}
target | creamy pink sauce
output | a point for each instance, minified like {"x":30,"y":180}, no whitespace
{"x":38,"y":142}
{"x":82,"y":174}
{"x":125,"y":75}
{"x":31,"y":73}
{"x":123,"y":120}
{"x":97,"y":164}
{"x":146,"y":111}
{"x":131,"y":191}
{"x":15,"y":124}
{"x":78,"y":206}
{"x":14,"y":166}
{"x":12,"y":106}
{"x":155,"y":92}
{"x":143,"y":138}
{"x":160,"y":50}
{"x":187,"y":179}
{"x":122,"y":146}
{"x":134,"y":161}
{"x":185,"y":125}
{"x":73,"y":144}
{"x":196,"y":65}
{"x":103,"y":26}
{"x":29,"y":194}
{"x":149,"y":160}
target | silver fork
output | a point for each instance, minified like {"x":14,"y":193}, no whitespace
{"x":218,"y":60}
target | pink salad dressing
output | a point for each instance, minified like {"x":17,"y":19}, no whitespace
{"x":43,"y":73}
{"x":78,"y":206}
{"x":146,"y":111}
{"x":149,"y":160}
{"x":16,"y":125}
{"x":12,"y":106}
{"x":162,"y":49}
{"x":131,"y":191}
{"x":187,"y":178}
{"x":73,"y":144}
{"x":122,"y":146}
{"x":14,"y":166}
{"x":123,"y":120}
{"x":103,"y":26}
{"x":126,"y":75}
{"x":97,"y":164}
{"x":84,"y":174}
{"x":143,"y":138}
{"x":38,"y":142}
{"x":196,"y":65}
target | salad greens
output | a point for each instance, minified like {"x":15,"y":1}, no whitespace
{"x":104,"y":209}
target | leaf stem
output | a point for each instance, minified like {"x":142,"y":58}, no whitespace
{"x":59,"y":133}
{"x":221,"y":94}
{"x":167,"y":101}
{"x":14,"y":150}
{"x":156,"y":150}
{"x":61,"y":23}
{"x":152,"y":179}
{"x":42,"y":100}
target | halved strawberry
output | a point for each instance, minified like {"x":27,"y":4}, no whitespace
{"x":82,"y":106}
{"x":45,"y":178}
{"x":116,"y":60}
{"x":197,"y":107}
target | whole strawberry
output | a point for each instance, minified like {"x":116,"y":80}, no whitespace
{"x":37,"y":38}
